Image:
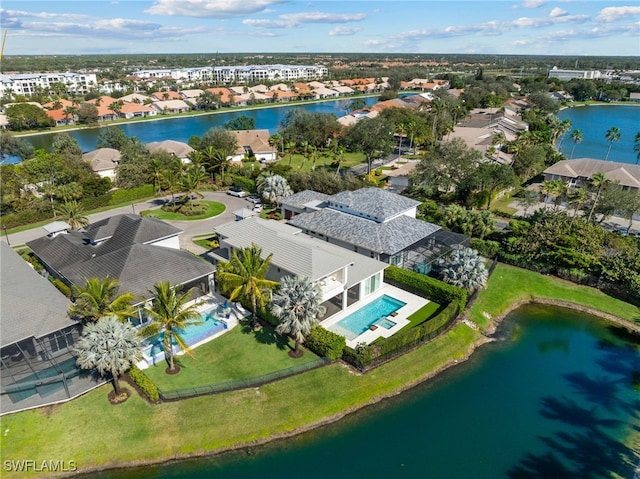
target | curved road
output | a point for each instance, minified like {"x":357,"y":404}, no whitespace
{"x":189,"y":228}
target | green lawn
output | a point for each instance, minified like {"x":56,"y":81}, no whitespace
{"x":95,"y":434}
{"x":299,"y":162}
{"x":214,"y":209}
{"x":424,"y":313}
{"x":509,"y":284}
{"x":137,"y":431}
{"x":238,"y":354}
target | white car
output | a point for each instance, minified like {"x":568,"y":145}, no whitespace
{"x":237,"y":192}
{"x":258,"y":208}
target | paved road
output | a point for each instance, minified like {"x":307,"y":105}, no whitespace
{"x":189,"y":228}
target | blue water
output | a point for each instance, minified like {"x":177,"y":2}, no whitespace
{"x":191,"y":334}
{"x":594,"y":121}
{"x":183,"y":128}
{"x":554,"y":398}
{"x":360,"y":320}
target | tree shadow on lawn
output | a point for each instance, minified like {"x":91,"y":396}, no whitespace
{"x":266,"y":335}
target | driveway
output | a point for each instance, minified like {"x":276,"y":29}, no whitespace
{"x":189,"y":228}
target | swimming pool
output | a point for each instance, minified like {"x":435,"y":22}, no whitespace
{"x":374,"y":313}
{"x":153,"y":348}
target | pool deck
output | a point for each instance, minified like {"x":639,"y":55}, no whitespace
{"x":413,"y":304}
{"x":204,"y":303}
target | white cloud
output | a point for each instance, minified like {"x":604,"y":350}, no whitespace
{"x":210,"y":8}
{"x":557,"y":12}
{"x":22,"y":13}
{"x":531,"y":4}
{"x":343,"y":31}
{"x":611,"y":14}
{"x":294,"y":19}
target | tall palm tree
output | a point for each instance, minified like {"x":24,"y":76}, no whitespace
{"x":599,"y":182}
{"x":553,"y":190}
{"x":636,"y":147}
{"x":577,"y":198}
{"x":99,"y":298}
{"x":72,"y":213}
{"x":109,"y":346}
{"x":170,"y":315}
{"x":296,"y":303}
{"x":243,"y":277}
{"x":613,"y":134}
{"x":577,"y":137}
{"x":565,"y":126}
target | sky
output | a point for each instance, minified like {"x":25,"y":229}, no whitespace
{"x":525,"y":27}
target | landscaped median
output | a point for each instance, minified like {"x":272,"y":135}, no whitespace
{"x":95,"y":434}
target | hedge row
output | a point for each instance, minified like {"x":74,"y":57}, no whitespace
{"x":325,"y":343}
{"x":424,"y":286}
{"x":487,"y":248}
{"x":146,"y":385}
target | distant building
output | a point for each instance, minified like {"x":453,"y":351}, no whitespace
{"x":26,"y":83}
{"x":556,"y":72}
{"x":578,"y":172}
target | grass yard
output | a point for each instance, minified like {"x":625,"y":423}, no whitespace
{"x":424,"y":313}
{"x":136,"y":431}
{"x":299,"y":162}
{"x":238,"y":354}
{"x":509,"y":284}
{"x":213,"y":209}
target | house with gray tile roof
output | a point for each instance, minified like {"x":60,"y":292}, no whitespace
{"x":136,"y":251}
{"x":578,"y":172}
{"x":343,"y":275}
{"x":373,"y":222}
{"x":36,"y":338}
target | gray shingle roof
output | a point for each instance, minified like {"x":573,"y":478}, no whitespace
{"x":139,"y":229}
{"x":299,"y":200}
{"x":385,"y":238}
{"x":29,"y":304}
{"x":375,"y":202}
{"x":125,"y":255}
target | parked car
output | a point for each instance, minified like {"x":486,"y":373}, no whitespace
{"x":237,"y":191}
{"x":257,"y":207}
{"x":254,"y":199}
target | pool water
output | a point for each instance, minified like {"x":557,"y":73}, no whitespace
{"x":375,"y":312}
{"x":192,"y":334}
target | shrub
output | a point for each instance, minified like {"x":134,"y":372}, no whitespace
{"x":25,"y":217}
{"x":62,"y":287}
{"x":94,"y":202}
{"x":325,"y":343}
{"x":424,"y":286}
{"x":486,"y":248}
{"x":146,"y":385}
{"x":247,"y":184}
{"x":131,"y":194}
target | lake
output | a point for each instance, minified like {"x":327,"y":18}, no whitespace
{"x":183,"y":128}
{"x":594,"y":121}
{"x":553,"y":398}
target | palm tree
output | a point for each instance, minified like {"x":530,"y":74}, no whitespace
{"x":613,"y":134}
{"x":170,"y":315}
{"x":555,"y":190}
{"x":599,"y":182}
{"x":565,"y":126}
{"x":109,"y":346}
{"x":192,"y":180}
{"x":636,"y":147}
{"x":72,"y":213}
{"x":577,"y":198}
{"x":99,"y":298}
{"x":243,"y":276}
{"x":274,"y":188}
{"x":296,"y":303}
{"x":464,"y":268}
{"x":577,"y":137}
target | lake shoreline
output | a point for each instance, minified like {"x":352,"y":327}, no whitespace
{"x":484,"y":337}
{"x":160,"y":117}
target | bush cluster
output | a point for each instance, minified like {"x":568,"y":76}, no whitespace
{"x":486,"y":248}
{"x":131,"y":194}
{"x":424,"y":286}
{"x":325,"y":343}
{"x":62,"y":287}
{"x":146,"y":385}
